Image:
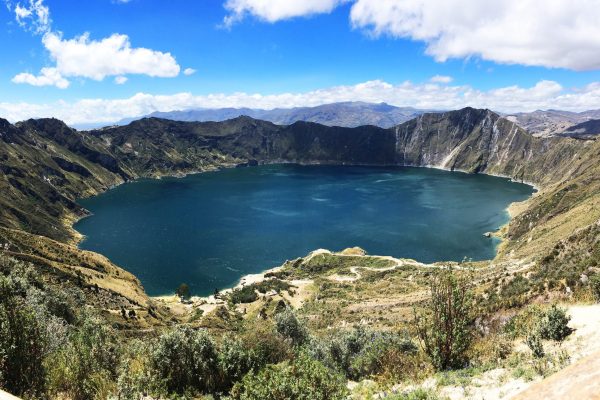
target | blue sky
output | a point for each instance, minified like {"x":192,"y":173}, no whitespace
{"x":294,"y":55}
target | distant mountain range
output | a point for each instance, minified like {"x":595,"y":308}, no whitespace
{"x":558,"y":123}
{"x":347,"y":114}
{"x":544,"y":123}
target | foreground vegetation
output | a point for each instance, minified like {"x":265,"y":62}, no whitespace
{"x":51,"y":346}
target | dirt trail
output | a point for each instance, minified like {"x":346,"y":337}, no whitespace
{"x":580,"y":381}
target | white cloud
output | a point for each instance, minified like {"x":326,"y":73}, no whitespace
{"x":32,"y":15}
{"x":276,"y":10}
{"x":83,"y":57}
{"x":189,"y":71}
{"x":549,"y":33}
{"x":441,"y":79}
{"x":543,"y":95}
{"x":47,"y":77}
{"x":111,"y":56}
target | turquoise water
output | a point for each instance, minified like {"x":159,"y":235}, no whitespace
{"x":210,"y":229}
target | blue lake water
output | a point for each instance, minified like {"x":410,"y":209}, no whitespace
{"x":210,"y":229}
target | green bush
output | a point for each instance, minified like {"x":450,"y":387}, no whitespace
{"x":268,"y":346}
{"x":359,"y":353}
{"x":554,"y":324}
{"x":594,"y":283}
{"x":446,"y":331}
{"x":246,"y":294}
{"x":534,"y":342}
{"x":86,"y":367}
{"x":302,"y":379}
{"x":31,"y":327}
{"x":22,"y":350}
{"x":236,"y":359}
{"x":417,"y":394}
{"x":186,"y":360}
{"x":288,"y":325}
{"x":137,"y":379}
{"x":272,"y":284}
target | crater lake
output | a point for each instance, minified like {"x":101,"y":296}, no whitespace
{"x":210,"y":229}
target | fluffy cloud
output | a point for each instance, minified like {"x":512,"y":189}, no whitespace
{"x":543,"y":95}
{"x":47,"y":77}
{"x":276,"y":10}
{"x":549,"y":33}
{"x":83,"y":57}
{"x":189,"y":71}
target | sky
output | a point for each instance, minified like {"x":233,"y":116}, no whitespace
{"x":98,"y":61}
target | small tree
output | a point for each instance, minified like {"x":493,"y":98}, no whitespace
{"x":595,"y":287}
{"x":554,"y":324}
{"x":288,"y":325}
{"x":186,"y":360}
{"x":534,"y":342}
{"x":445,"y":332}
{"x":183,"y":291}
{"x":302,"y":379}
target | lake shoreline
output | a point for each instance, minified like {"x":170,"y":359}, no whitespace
{"x":247,"y":277}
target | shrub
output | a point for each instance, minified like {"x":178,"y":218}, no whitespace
{"x":594,"y":283}
{"x":288,"y":325}
{"x":488,"y":350}
{"x":302,"y":379}
{"x":246,"y":294}
{"x":359,"y":353}
{"x":272,"y":284}
{"x":446,"y":332}
{"x":186,"y":359}
{"x":417,"y":394}
{"x":268,"y":346}
{"x":554,"y":324}
{"x":137,"y":379}
{"x":87,"y":366}
{"x":236,"y":359}
{"x":534,"y":342}
{"x":523,"y":323}
{"x":22,"y":350}
{"x":183,"y":291}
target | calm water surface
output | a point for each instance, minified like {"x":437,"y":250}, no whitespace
{"x":210,"y":229}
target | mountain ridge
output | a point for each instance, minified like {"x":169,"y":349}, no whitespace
{"x":346,"y":114}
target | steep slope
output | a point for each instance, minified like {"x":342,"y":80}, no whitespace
{"x":44,"y":167}
{"x":585,"y":130}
